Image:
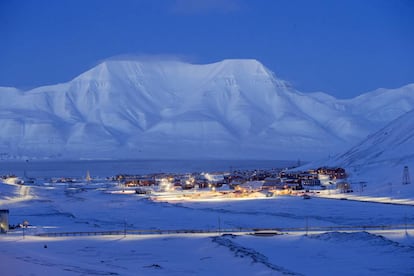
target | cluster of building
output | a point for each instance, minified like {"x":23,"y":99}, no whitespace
{"x":312,"y":179}
{"x":269,"y":180}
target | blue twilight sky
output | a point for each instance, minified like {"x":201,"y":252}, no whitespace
{"x":343,"y":47}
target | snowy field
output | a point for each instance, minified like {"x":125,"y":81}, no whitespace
{"x":92,"y":207}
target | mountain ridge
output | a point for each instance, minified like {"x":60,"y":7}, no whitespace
{"x":167,"y":109}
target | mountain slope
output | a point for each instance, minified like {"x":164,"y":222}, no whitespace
{"x":171,"y":109}
{"x":380,"y":158}
{"x":392,"y":144}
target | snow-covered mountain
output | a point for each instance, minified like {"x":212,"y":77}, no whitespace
{"x":171,"y":109}
{"x":379,"y":160}
{"x":393,"y":144}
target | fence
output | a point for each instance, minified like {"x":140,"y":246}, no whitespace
{"x":232,"y":230}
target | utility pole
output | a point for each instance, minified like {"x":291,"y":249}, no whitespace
{"x":307,"y":226}
{"x":25,"y":225}
{"x":406,"y":176}
{"x":219,"y":225}
{"x":405,"y":222}
{"x":362,"y":184}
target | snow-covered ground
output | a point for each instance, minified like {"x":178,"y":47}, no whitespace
{"x":89,"y":207}
{"x":332,"y":253}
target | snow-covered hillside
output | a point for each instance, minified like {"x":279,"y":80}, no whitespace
{"x":380,"y":159}
{"x":171,"y":109}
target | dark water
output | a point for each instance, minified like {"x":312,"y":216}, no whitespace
{"x":104,"y":168}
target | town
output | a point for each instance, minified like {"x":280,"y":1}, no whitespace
{"x":235,"y":184}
